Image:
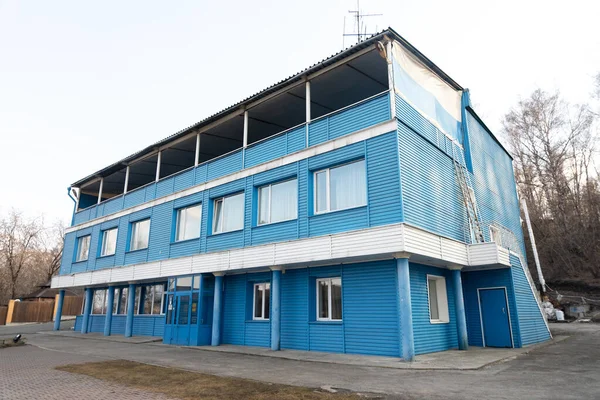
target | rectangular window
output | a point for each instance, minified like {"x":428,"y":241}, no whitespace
{"x":228,"y":213}
{"x":153,"y":300}
{"x":329,"y":299}
{"x":140,"y":232}
{"x":278,"y":202}
{"x":340,"y":188}
{"x":99,"y":302}
{"x":122,"y":300}
{"x":188,"y":223}
{"x":109,"y":242}
{"x":83,"y":248}
{"x":438,"y":299}
{"x":262,"y":298}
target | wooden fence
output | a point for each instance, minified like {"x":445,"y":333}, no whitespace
{"x":33,"y":311}
{"x":3,"y":311}
{"x":72,"y":305}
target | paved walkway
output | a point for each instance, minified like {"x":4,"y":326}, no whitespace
{"x":565,"y":370}
{"x":27,"y":373}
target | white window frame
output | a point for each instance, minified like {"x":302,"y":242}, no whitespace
{"x":270,"y":186}
{"x":222,"y":200}
{"x":495,"y":235}
{"x":103,"y":243}
{"x":263,"y":286}
{"x":131,"y":239}
{"x":328,"y":188}
{"x":441,"y":299}
{"x":104,"y":307}
{"x":87,"y":254}
{"x":162,"y":299}
{"x":329,"y":299}
{"x":178,"y":222}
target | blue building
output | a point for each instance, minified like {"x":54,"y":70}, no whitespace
{"x":360,"y":206}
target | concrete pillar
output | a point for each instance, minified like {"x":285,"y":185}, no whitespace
{"x":130,"y":310}
{"x":459,"y":305}
{"x":110,"y":301}
{"x":59,"y":306}
{"x":217,"y":310}
{"x":407,"y":340}
{"x":276,"y":309}
{"x":87,"y":310}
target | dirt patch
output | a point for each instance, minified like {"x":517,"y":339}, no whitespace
{"x":9,"y":343}
{"x":190,"y":385}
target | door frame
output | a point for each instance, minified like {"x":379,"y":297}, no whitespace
{"x":512,"y":341}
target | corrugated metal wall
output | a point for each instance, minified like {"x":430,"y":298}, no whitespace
{"x":430,"y":337}
{"x":384,"y":207}
{"x":488,"y":279}
{"x":531,"y":323}
{"x":360,"y":116}
{"x":143,"y":325}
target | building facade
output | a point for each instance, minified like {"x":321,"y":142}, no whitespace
{"x":360,"y":206}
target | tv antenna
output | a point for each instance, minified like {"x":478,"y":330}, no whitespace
{"x":360,"y":27}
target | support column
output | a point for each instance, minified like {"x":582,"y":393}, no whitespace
{"x":126,"y":180}
{"x":407,"y":340}
{"x":110,"y":301}
{"x":459,"y":304}
{"x":245,"y":137}
{"x":130,"y":309}
{"x":308,"y":112}
{"x":87,"y":309}
{"x":276,"y":309}
{"x":100,"y":190}
{"x":217,"y":310}
{"x":158,"y":160}
{"x":197,"y":157}
{"x":390,"y":62}
{"x":59,"y":307}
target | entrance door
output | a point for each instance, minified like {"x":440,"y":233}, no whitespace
{"x":494,"y":316}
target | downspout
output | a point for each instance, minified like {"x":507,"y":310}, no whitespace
{"x":74,"y":205}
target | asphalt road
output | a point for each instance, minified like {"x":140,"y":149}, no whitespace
{"x":566,"y":370}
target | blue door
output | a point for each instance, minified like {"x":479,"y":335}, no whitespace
{"x":494,"y":315}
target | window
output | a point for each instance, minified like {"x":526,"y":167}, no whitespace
{"x":438,"y":299}
{"x":188,"y":223}
{"x":140,"y":231}
{"x":228,"y":213}
{"x":121,"y":302}
{"x":99,"y":302}
{"x":340,"y":188}
{"x":109,"y":242}
{"x":262,"y":297}
{"x":278,"y":202}
{"x":495,"y":235}
{"x":329,"y":299}
{"x":83,"y":248}
{"x":154,"y":299}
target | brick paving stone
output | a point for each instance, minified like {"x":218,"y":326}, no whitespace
{"x":27,"y":373}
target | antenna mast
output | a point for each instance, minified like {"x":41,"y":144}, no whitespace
{"x":360,"y":27}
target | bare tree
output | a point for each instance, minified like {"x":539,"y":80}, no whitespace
{"x":554,"y":145}
{"x":18,"y":241}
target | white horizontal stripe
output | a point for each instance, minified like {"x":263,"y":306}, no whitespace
{"x":365,"y":244}
{"x":359,"y":136}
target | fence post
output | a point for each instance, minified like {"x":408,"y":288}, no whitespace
{"x":9,"y":312}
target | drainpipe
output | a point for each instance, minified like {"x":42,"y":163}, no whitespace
{"x":74,"y":205}
{"x":534,"y":248}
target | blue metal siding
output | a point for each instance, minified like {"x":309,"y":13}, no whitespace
{"x":384,"y":206}
{"x":238,"y":326}
{"x":360,"y":116}
{"x":431,"y":337}
{"x":430,"y":195}
{"x":531,"y":323}
{"x":143,"y":325}
{"x":487,"y":279}
{"x":370,"y":311}
{"x":294,"y":309}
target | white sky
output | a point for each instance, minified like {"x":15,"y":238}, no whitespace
{"x":85,"y":84}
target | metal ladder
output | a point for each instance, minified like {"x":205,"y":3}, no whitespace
{"x":467,"y":193}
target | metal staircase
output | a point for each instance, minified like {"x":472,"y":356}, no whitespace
{"x":467,"y":194}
